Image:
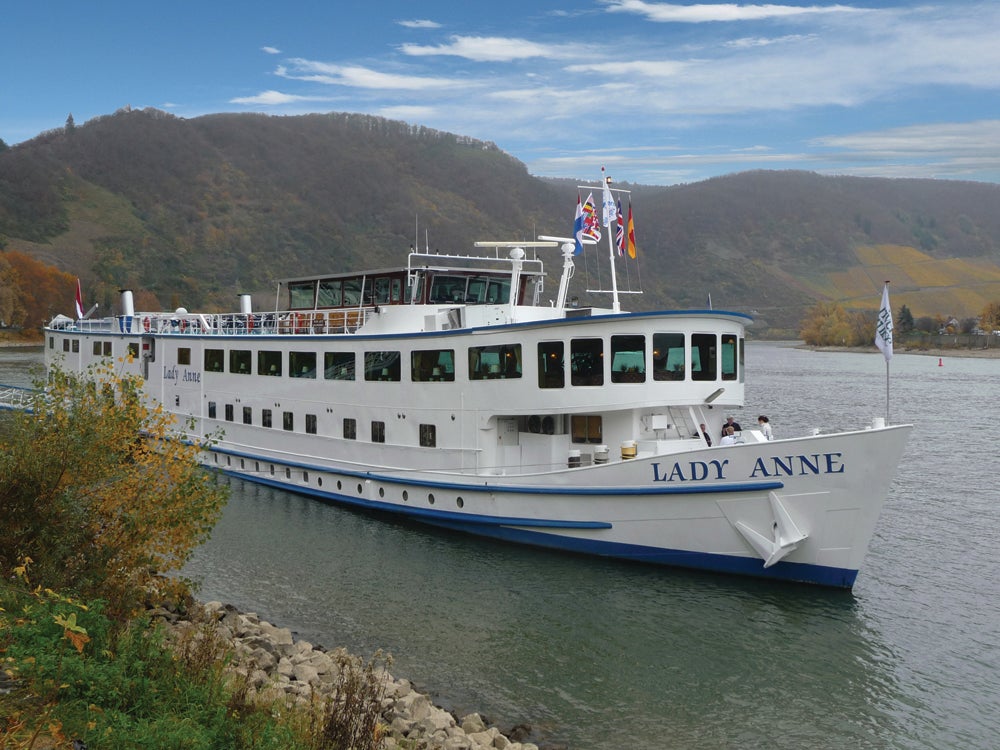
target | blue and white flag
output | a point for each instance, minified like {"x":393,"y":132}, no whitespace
{"x":883,"y":329}
{"x":578,"y":227}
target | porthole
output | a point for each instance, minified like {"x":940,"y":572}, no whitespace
{"x":360,"y":489}
{"x":229,"y":460}
{"x":406,"y":496}
{"x":288,"y":473}
{"x":460,"y":502}
{"x":305,"y":477}
{"x":256,"y":465}
{"x":319,"y":481}
{"x":430,"y":498}
{"x":381,"y":491}
{"x":339,"y":485}
{"x":272,"y":470}
{"x":241,"y":464}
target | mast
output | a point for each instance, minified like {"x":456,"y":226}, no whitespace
{"x":607,"y":208}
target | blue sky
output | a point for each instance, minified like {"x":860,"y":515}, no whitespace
{"x":660,"y":93}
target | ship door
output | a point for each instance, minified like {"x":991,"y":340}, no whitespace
{"x":148,"y":354}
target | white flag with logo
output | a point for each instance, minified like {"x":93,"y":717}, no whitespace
{"x":883,"y":329}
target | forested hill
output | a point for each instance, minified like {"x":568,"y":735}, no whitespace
{"x":194,"y":211}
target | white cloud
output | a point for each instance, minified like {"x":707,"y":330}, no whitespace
{"x":420,"y":24}
{"x":491,"y":49}
{"x":272,"y":97}
{"x":672,"y":13}
{"x":271,"y":50}
{"x":648,"y":68}
{"x":409,"y":113}
{"x":357,"y":76}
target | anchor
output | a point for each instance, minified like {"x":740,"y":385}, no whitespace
{"x":786,"y":534}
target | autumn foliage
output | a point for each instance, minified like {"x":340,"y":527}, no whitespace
{"x":29,"y":288}
{"x":95,"y":491}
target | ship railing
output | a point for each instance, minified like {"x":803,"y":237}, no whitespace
{"x":290,"y":322}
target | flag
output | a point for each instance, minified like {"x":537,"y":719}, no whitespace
{"x":591,"y":227}
{"x":578,"y":227}
{"x":79,"y":301}
{"x":609,"y":212}
{"x":883,"y":329}
{"x":631,"y":232}
{"x":709,"y":301}
{"x":620,"y":231}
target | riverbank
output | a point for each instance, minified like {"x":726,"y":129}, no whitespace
{"x":990,"y":353}
{"x":278,"y":667}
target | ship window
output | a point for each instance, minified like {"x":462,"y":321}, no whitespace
{"x":247,"y":415}
{"x":728,"y":356}
{"x":76,"y":346}
{"x":381,"y":290}
{"x":382,"y":366}
{"x":668,"y":356}
{"x":52,"y":342}
{"x":184,"y":355}
{"x":239,"y":361}
{"x":428,"y":436}
{"x":302,"y":364}
{"x":628,"y":359}
{"x":432,"y":365}
{"x":211,"y":410}
{"x":214,"y":360}
{"x":551,"y":373}
{"x":229,"y":412}
{"x":742,"y":357}
{"x":492,"y":362}
{"x":350,"y":428}
{"x":586,"y":428}
{"x":586,"y":358}
{"x":703,"y":356}
{"x":65,"y":345}
{"x":97,"y":347}
{"x":352,"y":292}
{"x":311,"y":424}
{"x":415,"y":290}
{"x":338,"y":365}
{"x":269,"y":363}
{"x":378,"y":432}
{"x":447,"y":289}
{"x":329,"y":293}
{"x":397,"y":289}
{"x":265,"y":417}
{"x":288,"y":421}
{"x":107,"y":348}
{"x":133,"y":349}
{"x":302,"y":295}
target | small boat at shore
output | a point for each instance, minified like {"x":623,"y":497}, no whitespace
{"x":450,"y":390}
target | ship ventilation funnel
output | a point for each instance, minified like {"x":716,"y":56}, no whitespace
{"x":128,"y":303}
{"x":246,"y":306}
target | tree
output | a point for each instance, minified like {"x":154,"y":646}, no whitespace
{"x":11,"y":302}
{"x":989,"y":318}
{"x":70,"y":124}
{"x":98,"y":491}
{"x":904,"y":320}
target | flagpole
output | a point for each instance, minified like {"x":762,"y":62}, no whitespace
{"x":606,"y":191}
{"x":883,"y":339}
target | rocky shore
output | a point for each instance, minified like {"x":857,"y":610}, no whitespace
{"x":279,"y":668}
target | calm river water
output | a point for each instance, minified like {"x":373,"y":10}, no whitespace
{"x":595,"y":654}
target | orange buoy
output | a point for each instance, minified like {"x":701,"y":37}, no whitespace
{"x":940,"y":362}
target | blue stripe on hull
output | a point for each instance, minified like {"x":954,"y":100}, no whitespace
{"x":502,"y":529}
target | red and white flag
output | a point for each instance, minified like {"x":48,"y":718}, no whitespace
{"x":79,"y":301}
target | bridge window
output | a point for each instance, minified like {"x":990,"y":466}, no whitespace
{"x":432,"y":365}
{"x":704,"y":356}
{"x":669,"y":361}
{"x":586,"y":362}
{"x":302,"y":295}
{"x":628,"y":359}
{"x":302,"y":364}
{"x":551,"y":372}
{"x":352,"y":292}
{"x":493,"y":362}
{"x":729,"y":354}
{"x":381,"y":286}
{"x":329,"y":293}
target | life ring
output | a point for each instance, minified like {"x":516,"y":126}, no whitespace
{"x":145,"y":324}
{"x":184,"y":324}
{"x":250,"y":322}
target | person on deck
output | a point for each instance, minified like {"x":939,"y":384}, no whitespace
{"x":728,"y":435}
{"x":730,"y":422}
{"x":704,"y":434}
{"x":765,"y":427}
